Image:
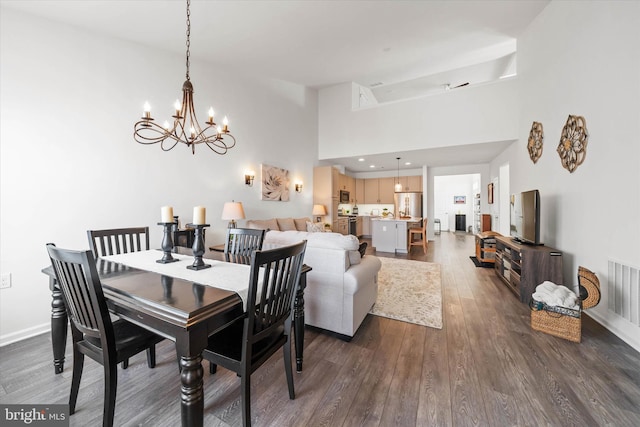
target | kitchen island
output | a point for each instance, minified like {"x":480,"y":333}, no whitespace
{"x":390,"y":234}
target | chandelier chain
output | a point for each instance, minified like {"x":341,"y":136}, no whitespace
{"x":188,"y":36}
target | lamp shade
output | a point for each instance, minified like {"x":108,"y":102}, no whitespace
{"x":232,"y":211}
{"x":319,"y":210}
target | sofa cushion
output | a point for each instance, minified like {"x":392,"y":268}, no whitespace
{"x":263,"y":224}
{"x":301,"y":223}
{"x":277,"y":238}
{"x":354,"y":257}
{"x":286,"y":224}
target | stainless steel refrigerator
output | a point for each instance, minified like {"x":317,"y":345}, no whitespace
{"x":408,"y":204}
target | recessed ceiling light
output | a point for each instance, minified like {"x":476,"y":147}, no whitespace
{"x":372,"y":166}
{"x":407,"y":163}
{"x":361,"y":159}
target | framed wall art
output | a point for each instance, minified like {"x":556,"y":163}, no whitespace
{"x":490,"y":193}
{"x":275,"y":183}
{"x":459,"y":200}
{"x":572,"y":148}
{"x":535,"y":142}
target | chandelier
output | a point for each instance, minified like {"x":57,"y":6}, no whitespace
{"x":185,"y":127}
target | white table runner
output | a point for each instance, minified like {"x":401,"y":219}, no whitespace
{"x":222,"y":275}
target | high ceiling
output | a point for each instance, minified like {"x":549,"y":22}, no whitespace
{"x":397,"y":48}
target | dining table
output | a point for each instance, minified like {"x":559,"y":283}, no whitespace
{"x":180,"y":304}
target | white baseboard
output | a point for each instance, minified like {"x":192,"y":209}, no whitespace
{"x":24,"y":334}
{"x":626,"y":335}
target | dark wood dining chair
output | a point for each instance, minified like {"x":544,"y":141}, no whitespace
{"x":248,"y":342}
{"x":119,"y":241}
{"x":93,"y":332}
{"x":240,"y":243}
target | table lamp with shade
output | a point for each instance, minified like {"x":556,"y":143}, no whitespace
{"x":231,"y":212}
{"x":319,"y":211}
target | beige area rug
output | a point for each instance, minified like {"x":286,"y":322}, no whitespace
{"x":410,"y":291}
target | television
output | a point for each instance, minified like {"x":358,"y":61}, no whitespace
{"x":525,"y":217}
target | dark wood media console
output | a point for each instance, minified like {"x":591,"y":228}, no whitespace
{"x":523,"y":267}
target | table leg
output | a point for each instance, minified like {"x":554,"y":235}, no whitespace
{"x":191,"y":393}
{"x":298,"y":321}
{"x":58,"y":326}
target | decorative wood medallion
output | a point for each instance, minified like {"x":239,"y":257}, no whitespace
{"x":536,"y":139}
{"x":573,"y":143}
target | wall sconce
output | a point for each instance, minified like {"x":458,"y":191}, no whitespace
{"x":298,"y":187}
{"x":249,"y":177}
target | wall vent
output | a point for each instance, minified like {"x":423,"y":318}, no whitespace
{"x":624,"y":291}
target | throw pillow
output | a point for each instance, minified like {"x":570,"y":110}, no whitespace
{"x":314,"y":227}
{"x":301,"y":223}
{"x":362,"y":248}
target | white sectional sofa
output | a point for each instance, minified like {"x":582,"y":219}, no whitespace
{"x":342,"y":287}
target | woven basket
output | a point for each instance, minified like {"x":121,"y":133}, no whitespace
{"x":557,"y":324}
{"x":563,"y":322}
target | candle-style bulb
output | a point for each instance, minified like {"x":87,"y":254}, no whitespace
{"x":166,"y":126}
{"x":193,"y":132}
{"x":178,"y":107}
{"x":147,"y":110}
{"x":219,"y":130}
{"x":211,"y":112}
{"x":225,"y":122}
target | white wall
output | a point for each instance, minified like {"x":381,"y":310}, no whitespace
{"x":477,"y":114}
{"x":445,"y":188}
{"x":69,"y":100}
{"x":581,"y":58}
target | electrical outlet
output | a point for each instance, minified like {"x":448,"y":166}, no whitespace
{"x":6,"y":281}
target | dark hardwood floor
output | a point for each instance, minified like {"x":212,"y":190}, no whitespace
{"x":486,"y":367}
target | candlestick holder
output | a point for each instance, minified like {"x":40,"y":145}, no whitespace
{"x":167,"y":244}
{"x":198,"y":247}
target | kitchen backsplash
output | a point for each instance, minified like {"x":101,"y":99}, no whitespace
{"x":364,"y":209}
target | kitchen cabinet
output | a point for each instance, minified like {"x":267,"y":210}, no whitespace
{"x":358,"y":226}
{"x":341,"y":225}
{"x":386,"y":190}
{"x":371,"y":191}
{"x":389,"y":235}
{"x":335,"y":182}
{"x":366,"y":226}
{"x":411,"y":183}
{"x":326,"y":190}
{"x":359,"y":184}
{"x":379,"y":190}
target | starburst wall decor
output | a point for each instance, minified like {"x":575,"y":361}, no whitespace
{"x":536,"y":140}
{"x":573,"y":143}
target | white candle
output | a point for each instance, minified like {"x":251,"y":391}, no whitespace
{"x":167,"y":214}
{"x":199,"y":215}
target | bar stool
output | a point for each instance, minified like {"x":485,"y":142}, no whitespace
{"x":419,"y":231}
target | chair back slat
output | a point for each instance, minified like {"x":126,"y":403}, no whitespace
{"x":240,"y":244}
{"x":82,"y":291}
{"x":118,"y":241}
{"x":279,"y":271}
